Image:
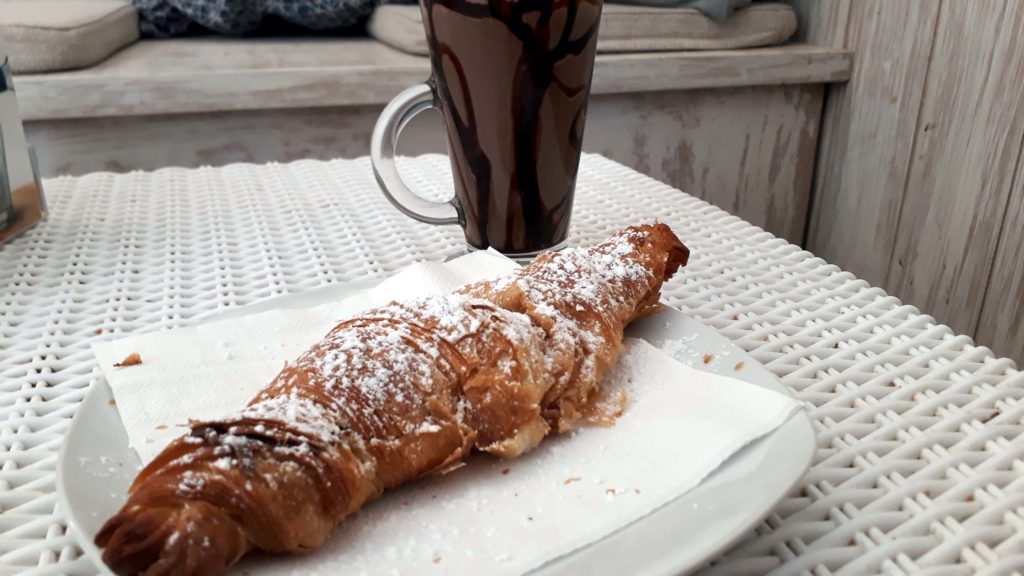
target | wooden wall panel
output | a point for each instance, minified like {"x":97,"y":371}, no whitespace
{"x":748,"y":150}
{"x":868,"y":135}
{"x":120,"y":144}
{"x":1002,"y":316}
{"x":967,"y":143}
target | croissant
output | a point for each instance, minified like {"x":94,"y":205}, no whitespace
{"x":399,"y":392}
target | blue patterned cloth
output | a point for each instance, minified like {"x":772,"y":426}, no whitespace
{"x":170,"y":18}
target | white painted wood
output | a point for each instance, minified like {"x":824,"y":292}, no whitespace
{"x":127,"y":143}
{"x":946,"y":160}
{"x":216,"y":75}
{"x":967,"y":144}
{"x":749,"y":150}
{"x":1002,"y":315}
{"x":868,"y":136}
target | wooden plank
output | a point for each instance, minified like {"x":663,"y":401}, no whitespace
{"x":868,"y":135}
{"x":822,"y":22}
{"x":204,"y":75}
{"x":967,"y":140}
{"x":772,"y":66}
{"x":76,"y":147}
{"x":1002,"y":315}
{"x":747,"y":150}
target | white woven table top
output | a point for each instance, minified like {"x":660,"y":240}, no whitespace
{"x":920,"y":462}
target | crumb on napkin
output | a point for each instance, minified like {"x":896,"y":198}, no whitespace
{"x":707,"y":358}
{"x":132,"y":359}
{"x":572,"y":479}
{"x":738,"y":367}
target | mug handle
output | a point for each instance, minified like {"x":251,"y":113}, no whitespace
{"x":389,"y":126}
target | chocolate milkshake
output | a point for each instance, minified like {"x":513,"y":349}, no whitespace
{"x":512,"y":78}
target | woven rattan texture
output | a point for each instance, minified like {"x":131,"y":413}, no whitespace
{"x":920,"y":465}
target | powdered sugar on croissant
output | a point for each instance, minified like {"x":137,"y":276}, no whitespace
{"x":399,"y":392}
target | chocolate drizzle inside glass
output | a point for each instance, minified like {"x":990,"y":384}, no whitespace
{"x":513,"y":79}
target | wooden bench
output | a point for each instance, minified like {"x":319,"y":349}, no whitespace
{"x":738,"y":128}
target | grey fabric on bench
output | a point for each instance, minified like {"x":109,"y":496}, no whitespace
{"x":50,"y":35}
{"x":628,"y":28}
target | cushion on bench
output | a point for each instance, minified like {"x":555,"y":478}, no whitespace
{"x":628,"y":28}
{"x":49,"y":35}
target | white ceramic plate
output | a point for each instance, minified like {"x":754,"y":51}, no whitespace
{"x":96,"y":464}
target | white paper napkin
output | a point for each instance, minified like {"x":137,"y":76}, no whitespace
{"x":492,"y":516}
{"x":203,"y":371}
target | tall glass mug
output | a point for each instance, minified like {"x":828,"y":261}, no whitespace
{"x":512,"y":80}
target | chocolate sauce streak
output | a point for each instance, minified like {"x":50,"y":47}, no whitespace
{"x":513,"y":78}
